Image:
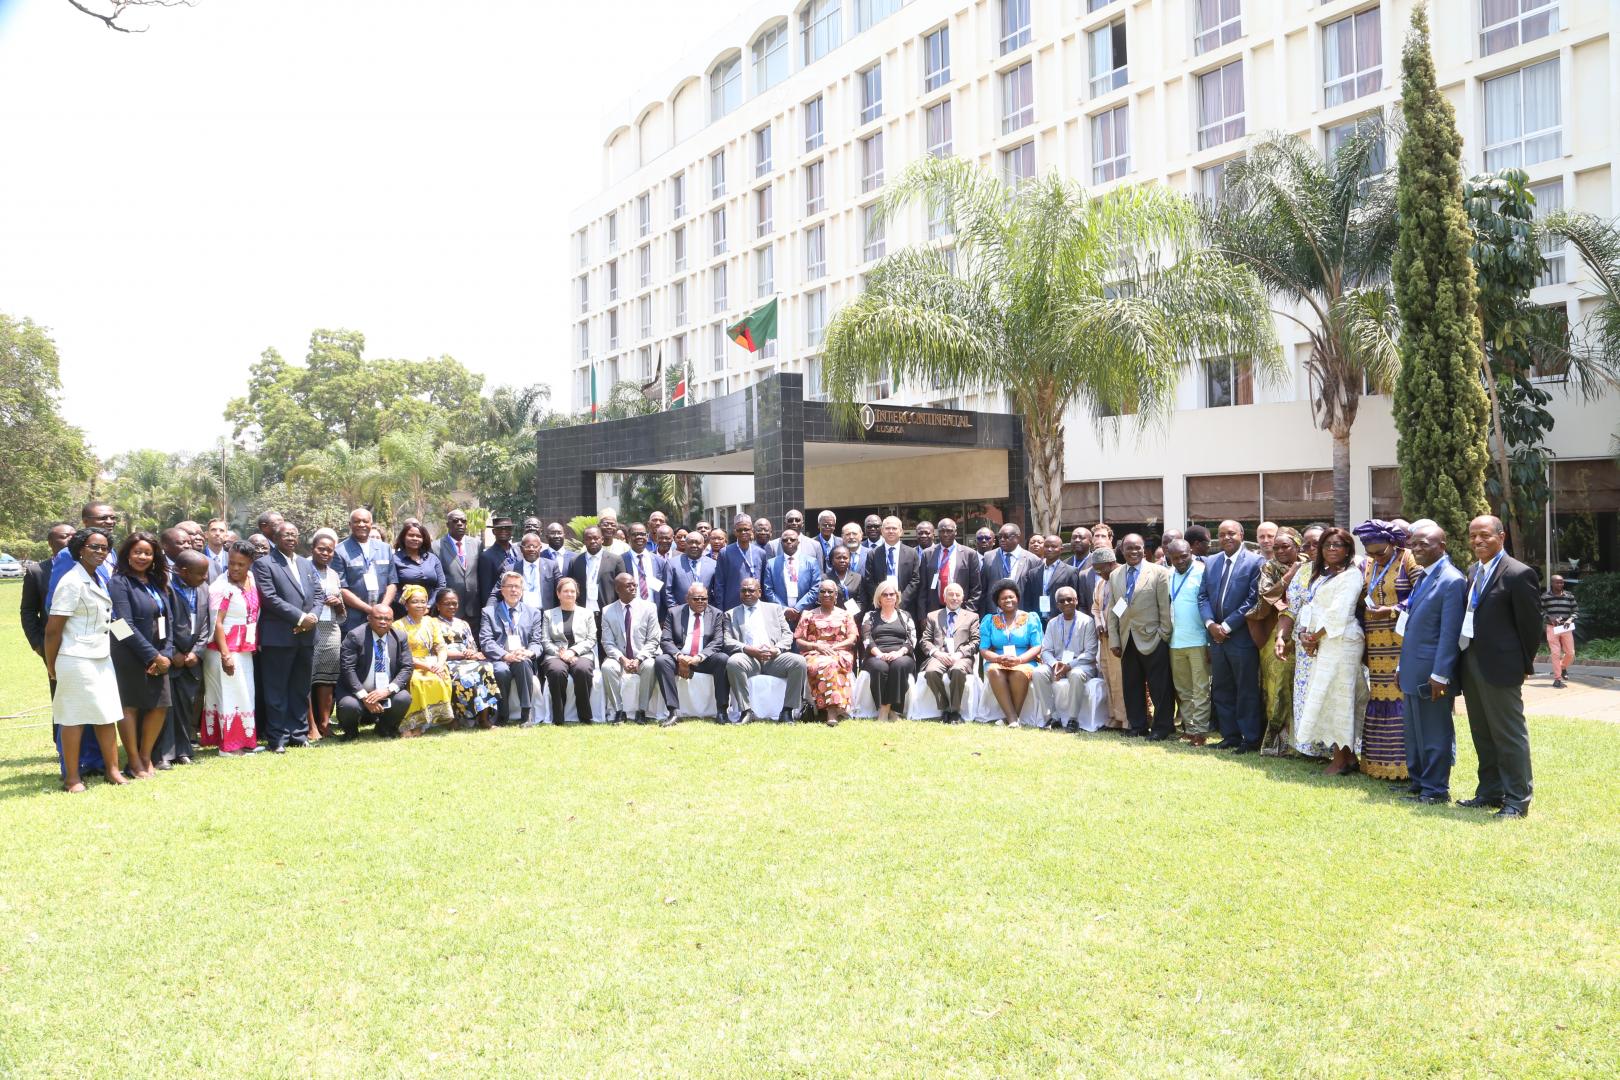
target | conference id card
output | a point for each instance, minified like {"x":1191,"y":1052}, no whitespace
{"x":251,"y":634}
{"x":1068,"y":656}
{"x":120,"y":630}
{"x":1400,"y":625}
{"x":1467,"y":634}
{"x":512,"y":643}
{"x":852,"y":606}
{"x":1119,"y":608}
{"x":1046,"y":604}
{"x":370,"y":581}
{"x":162,"y":628}
{"x":1009,"y":650}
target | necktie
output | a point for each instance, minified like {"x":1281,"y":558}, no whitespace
{"x":944,"y":572}
{"x":1226,"y":575}
{"x":292,"y":569}
{"x":642,"y":562}
{"x":891,"y":561}
{"x":950,"y":623}
{"x":461,"y":555}
{"x":627,"y":627}
{"x":1130,"y":584}
{"x":1006,"y":564}
{"x":694,"y":633}
{"x":378,"y":656}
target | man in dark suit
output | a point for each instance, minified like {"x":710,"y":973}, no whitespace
{"x":891,"y":560}
{"x":826,"y":537}
{"x":556,"y":548}
{"x":540,"y":574}
{"x":290,"y":595}
{"x":1010,"y":562}
{"x":374,"y":675}
{"x":1229,"y":591}
{"x":511,"y":637}
{"x":694,"y":643}
{"x":647,"y":569}
{"x":873,"y":528}
{"x":594,"y":569}
{"x":1502,"y":623}
{"x":686,"y":569}
{"x":193,"y":628}
{"x":1429,"y":627}
{"x":791,"y":577}
{"x":36,"y":578}
{"x":944,"y":563}
{"x":1080,"y":549}
{"x":493,"y":559}
{"x":950,"y":650}
{"x":458,"y":553}
{"x":1042,"y":580}
{"x":742,"y":558}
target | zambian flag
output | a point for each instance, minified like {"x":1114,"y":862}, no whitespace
{"x":756,"y":329}
{"x":679,"y":400}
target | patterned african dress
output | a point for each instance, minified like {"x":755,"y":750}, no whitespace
{"x":1298,"y":590}
{"x":228,"y":719}
{"x":430,"y":693}
{"x":472,"y":682}
{"x":1277,"y":676}
{"x":1383,"y":731}
{"x":832,"y":682}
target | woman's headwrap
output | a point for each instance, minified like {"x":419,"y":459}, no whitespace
{"x":410,"y":592}
{"x":1292,"y":534}
{"x":1379,"y":531}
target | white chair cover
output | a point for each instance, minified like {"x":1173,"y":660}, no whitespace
{"x":629,"y":695}
{"x":542,"y":702}
{"x":987,"y":709}
{"x":695,"y":696}
{"x":920,"y":703}
{"x":862,"y":706}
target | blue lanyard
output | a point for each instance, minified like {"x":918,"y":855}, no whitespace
{"x":1372,"y":586}
{"x":1423,"y":583}
{"x":1175,"y":590}
{"x":1482,"y":580}
{"x":509,"y":619}
{"x":189,"y":595}
{"x":1068,"y":635}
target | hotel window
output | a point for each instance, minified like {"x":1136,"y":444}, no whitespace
{"x":765,"y":270}
{"x":874,"y":245}
{"x":1110,"y":145}
{"x":868,"y":12}
{"x":1108,"y":67}
{"x":613,"y":329}
{"x":584,"y":247}
{"x":1506,"y":23}
{"x":815,"y":252}
{"x":939,"y":225}
{"x":1522,"y":117}
{"x":678,"y":302}
{"x":820,"y":29}
{"x":1014,"y":25}
{"x":1097,"y":5}
{"x":871,"y":93}
{"x":717,"y":174}
{"x":613,"y":231}
{"x":678,"y":249}
{"x":1018,"y":164}
{"x":725,"y":87}
{"x":1228,"y":380}
{"x":813,"y":388}
{"x":584,"y":293}
{"x":762,"y":151}
{"x":814,"y":124}
{"x":877,"y":389}
{"x":677,"y":195}
{"x":815,"y":317}
{"x":644,"y":279}
{"x":1018,"y":97}
{"x":644,"y":362}
{"x":1352,"y":58}
{"x":936,"y":59}
{"x":646,"y":317}
{"x":1336,"y":136}
{"x":717,"y":231}
{"x":612,"y":373}
{"x":762,"y":211}
{"x":1549,"y":199}
{"x":582,"y":388}
{"x":815,"y":188}
{"x":613,"y":279}
{"x":643,"y":214}
{"x":1217,"y":22}
{"x":717,"y":348}
{"x":872,"y":162}
{"x":937,"y":124}
{"x":771,"y":57}
{"x":717,"y":283}
{"x":1212,"y":182}
{"x":1221,"y":116}
{"x":584,"y":341}
{"x":1553,"y":368}
{"x":679,"y":345}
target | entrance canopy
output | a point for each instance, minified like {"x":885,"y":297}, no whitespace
{"x":799,"y":455}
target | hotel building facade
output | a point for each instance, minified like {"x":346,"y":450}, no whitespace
{"x":751,"y":169}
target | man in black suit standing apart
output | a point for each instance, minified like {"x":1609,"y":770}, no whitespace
{"x":289,"y":596}
{"x":891,"y":559}
{"x":492,"y":561}
{"x":961,"y":566}
{"x":458,"y":554}
{"x":1502,"y":628}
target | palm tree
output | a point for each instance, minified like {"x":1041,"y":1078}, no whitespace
{"x":1598,"y":242}
{"x":1320,"y":234}
{"x":353,"y":475}
{"x":515,"y":411}
{"x":418,"y":469}
{"x":143,"y":488}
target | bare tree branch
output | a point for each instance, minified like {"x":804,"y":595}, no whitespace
{"x":110,"y":20}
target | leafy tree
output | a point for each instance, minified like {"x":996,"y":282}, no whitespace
{"x":1319,"y":233}
{"x":1596,"y":355}
{"x":45,"y":464}
{"x":1441,"y":411}
{"x":418,"y":472}
{"x":353,"y":477}
{"x":1055,"y":297}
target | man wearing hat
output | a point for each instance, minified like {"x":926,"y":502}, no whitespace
{"x":493,"y":561}
{"x":1103,"y":562}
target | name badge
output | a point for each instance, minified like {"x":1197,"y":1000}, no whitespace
{"x":1009,"y":650}
{"x":1046,"y":604}
{"x":1305,"y":617}
{"x":1467,"y":634}
{"x":852,"y":607}
{"x":370,"y":581}
{"x":1119,"y":608}
{"x":1400,"y":625}
{"x":162,"y":628}
{"x":120,"y":629}
{"x":252,"y":634}
{"x":512,"y":643}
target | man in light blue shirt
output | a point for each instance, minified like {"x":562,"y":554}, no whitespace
{"x":1189,"y":642}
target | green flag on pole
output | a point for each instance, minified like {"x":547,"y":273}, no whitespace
{"x":755,"y":329}
{"x":593,"y":393}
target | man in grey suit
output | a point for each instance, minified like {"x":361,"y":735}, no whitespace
{"x":1429,"y":626}
{"x":694,"y":643}
{"x":760,"y":643}
{"x":511,"y":639}
{"x":630,"y":642}
{"x":1068,"y":658}
{"x":950,"y":648}
{"x":458,"y":554}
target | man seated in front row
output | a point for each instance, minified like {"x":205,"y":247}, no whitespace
{"x":760,"y":643}
{"x":694,"y":643}
{"x":1068,"y":659}
{"x":509,"y":635}
{"x":950,"y":649}
{"x":374,"y":675}
{"x":630,"y":645}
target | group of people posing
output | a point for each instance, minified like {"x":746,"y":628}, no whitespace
{"x":1297,"y":644}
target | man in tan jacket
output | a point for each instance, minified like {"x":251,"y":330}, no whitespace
{"x":1139,"y":634}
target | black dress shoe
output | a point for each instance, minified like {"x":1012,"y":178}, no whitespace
{"x":163,"y":766}
{"x":720,"y":718}
{"x":668,"y":721}
{"x":1425,"y":800}
{"x":1054,"y":724}
{"x":1244,"y":748}
{"x":1132,"y":733}
{"x":302,"y":740}
{"x":641,"y":716}
{"x":1158,"y":736}
{"x":1228,"y":744}
{"x":1072,"y":727}
{"x":1512,"y":812}
{"x":619,"y":717}
{"x":1477,"y":803}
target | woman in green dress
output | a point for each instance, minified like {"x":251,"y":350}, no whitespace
{"x":1276,"y":671}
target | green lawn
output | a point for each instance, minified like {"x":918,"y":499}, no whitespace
{"x":903,"y":899}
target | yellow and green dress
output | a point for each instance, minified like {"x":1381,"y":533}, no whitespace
{"x":431,"y":693}
{"x":1383,"y":730}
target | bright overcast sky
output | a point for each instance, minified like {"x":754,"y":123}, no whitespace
{"x":174,"y":202}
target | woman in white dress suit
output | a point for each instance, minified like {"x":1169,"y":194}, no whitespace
{"x":1330,"y":632}
{"x":568,"y":633}
{"x":78,"y":658}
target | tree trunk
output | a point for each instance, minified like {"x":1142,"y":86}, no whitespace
{"x":1341,"y":476}
{"x":1043,"y":450}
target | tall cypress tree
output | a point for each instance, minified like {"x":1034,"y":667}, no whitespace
{"x":1441,"y":411}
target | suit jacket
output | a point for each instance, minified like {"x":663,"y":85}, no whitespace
{"x":681,"y":578}
{"x":552,"y":640}
{"x":36,"y":576}
{"x":1507,"y":622}
{"x":806,"y":571}
{"x":907,"y":572}
{"x":1434,"y":615}
{"x":645,"y":631}
{"x":493,"y":628}
{"x":769,"y":624}
{"x":1242,"y":594}
{"x":491,"y":564}
{"x":967,"y":570}
{"x":963,"y":640}
{"x":823,"y":546}
{"x":462,"y":580}
{"x":1062,"y":574}
{"x":658,"y":571}
{"x":712,"y":638}
{"x":549,"y":574}
{"x":1060,"y":637}
{"x":351,"y":562}
{"x":140,"y":610}
{"x":355,"y":656}
{"x":608,"y":567}
{"x":1147,"y":617}
{"x":733,"y":565}
{"x":191,"y":636}
{"x":994,"y":570}
{"x":282,"y":603}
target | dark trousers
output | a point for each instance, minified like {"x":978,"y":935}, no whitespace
{"x":1144,"y":674}
{"x":519,"y":686}
{"x":714,"y":666}
{"x":185,"y":713}
{"x":1234,"y":688}
{"x":1432,"y":743}
{"x":1501,"y":737}
{"x":350,"y":712}
{"x":284,"y":672}
{"x":891,"y":680}
{"x":557,"y":672}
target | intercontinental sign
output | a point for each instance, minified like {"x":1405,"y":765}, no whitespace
{"x":924,"y":425}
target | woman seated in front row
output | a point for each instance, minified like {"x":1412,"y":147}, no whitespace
{"x":1009,"y":645}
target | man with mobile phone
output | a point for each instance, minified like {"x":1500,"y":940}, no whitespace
{"x":1429,"y":625}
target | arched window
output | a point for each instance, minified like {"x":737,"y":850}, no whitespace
{"x":771,"y":57}
{"x":725,"y":87}
{"x":820,"y":28}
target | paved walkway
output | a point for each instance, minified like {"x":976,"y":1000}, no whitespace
{"x":1586,"y":696}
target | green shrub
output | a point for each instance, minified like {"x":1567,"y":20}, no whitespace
{"x":23,"y":549}
{"x":1599,"y":598}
